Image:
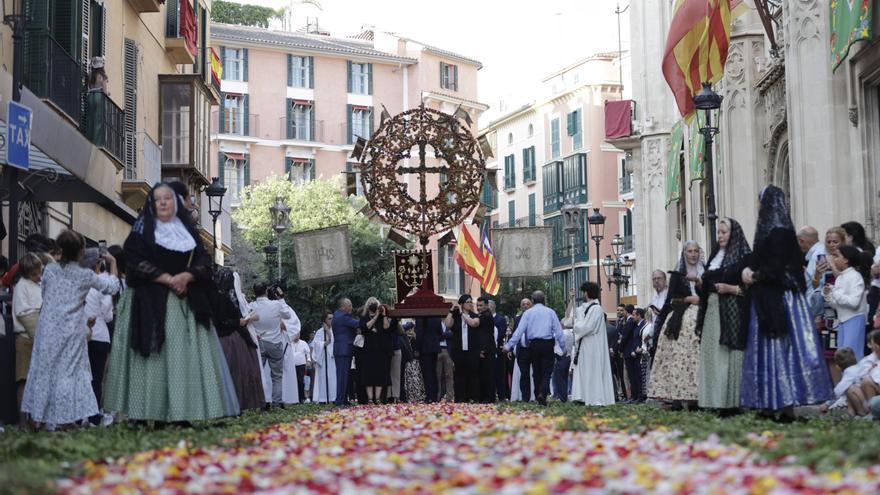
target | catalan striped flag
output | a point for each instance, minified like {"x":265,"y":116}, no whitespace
{"x":490,"y":274}
{"x":469,"y":255}
{"x":696,"y":46}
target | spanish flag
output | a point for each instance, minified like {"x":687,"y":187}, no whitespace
{"x":490,"y":274}
{"x":696,"y":46}
{"x":468,"y":255}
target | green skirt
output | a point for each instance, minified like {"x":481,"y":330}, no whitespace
{"x":183,"y":382}
{"x":720,"y":366}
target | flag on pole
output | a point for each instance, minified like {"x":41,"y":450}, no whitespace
{"x":468,"y":254}
{"x":851,"y":21}
{"x":696,"y":47}
{"x":490,"y":274}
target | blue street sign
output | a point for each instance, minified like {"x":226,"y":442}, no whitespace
{"x":18,"y":135}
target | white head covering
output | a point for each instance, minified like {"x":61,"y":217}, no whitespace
{"x":242,"y":301}
{"x":172,"y":235}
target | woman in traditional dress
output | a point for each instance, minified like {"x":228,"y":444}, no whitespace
{"x":413,"y":383}
{"x":58,"y":390}
{"x":375,"y":361}
{"x":783,"y":365}
{"x":723,"y":320}
{"x":674,"y":375}
{"x":235,"y":340}
{"x":166,"y":363}
{"x":592,"y":383}
{"x":324,"y":389}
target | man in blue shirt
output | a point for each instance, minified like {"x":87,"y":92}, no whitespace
{"x":345,"y":328}
{"x":538,"y":330}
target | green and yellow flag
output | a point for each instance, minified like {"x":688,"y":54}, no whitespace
{"x":697,"y":147}
{"x":851,"y":21}
{"x":673,"y":171}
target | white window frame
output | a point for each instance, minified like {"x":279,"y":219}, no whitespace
{"x":360,"y":78}
{"x":301,"y":115}
{"x":233,"y":114}
{"x":300,"y":72}
{"x":233,"y":178}
{"x":360,"y":123}
{"x":301,"y":171}
{"x":234,"y":58}
{"x":449,"y":278}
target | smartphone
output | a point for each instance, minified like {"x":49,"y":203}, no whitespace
{"x":820,"y":258}
{"x":102,"y":247}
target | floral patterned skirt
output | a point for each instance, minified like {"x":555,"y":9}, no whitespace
{"x":674,"y":374}
{"x":413,"y":383}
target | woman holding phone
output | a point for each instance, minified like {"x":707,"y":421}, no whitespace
{"x":377,"y":328}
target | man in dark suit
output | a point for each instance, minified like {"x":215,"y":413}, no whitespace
{"x":462,"y":325}
{"x":630,"y":341}
{"x":614,"y":332}
{"x":500,"y":330}
{"x":345,"y":328}
{"x":429,"y":332}
{"x":488,"y":348}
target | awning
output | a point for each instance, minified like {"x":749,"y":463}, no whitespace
{"x":47,"y":181}
{"x":360,"y":107}
{"x":235,"y":156}
{"x":302,"y":103}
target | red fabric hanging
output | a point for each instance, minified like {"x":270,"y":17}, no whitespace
{"x":189,"y":29}
{"x":618,"y":119}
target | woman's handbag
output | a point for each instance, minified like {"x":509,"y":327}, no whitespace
{"x":359,"y":341}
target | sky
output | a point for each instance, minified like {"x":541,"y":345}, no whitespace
{"x":518,"y":42}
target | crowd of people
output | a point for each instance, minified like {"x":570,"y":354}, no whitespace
{"x":152,"y":331}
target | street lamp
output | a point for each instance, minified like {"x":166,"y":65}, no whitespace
{"x":271,"y":251}
{"x":280,"y":221}
{"x":597,"y":233}
{"x":708,"y":101}
{"x":215,"y":193}
{"x":15,"y":17}
{"x":571,"y":214}
{"x":617,"y":268}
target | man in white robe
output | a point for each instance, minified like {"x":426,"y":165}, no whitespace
{"x":325,"y":364}
{"x":591,"y":367}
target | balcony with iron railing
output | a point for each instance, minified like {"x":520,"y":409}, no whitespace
{"x":625,"y":184}
{"x":143,"y":171}
{"x":562,"y":251}
{"x":105,"y":124}
{"x":53,"y":73}
{"x":237,"y":124}
{"x":301,"y":129}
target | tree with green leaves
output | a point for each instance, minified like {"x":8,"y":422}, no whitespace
{"x":317,"y":204}
{"x":229,"y":12}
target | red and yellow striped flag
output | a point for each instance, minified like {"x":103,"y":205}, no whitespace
{"x":468,"y":255}
{"x":490,"y":274}
{"x":696,"y":46}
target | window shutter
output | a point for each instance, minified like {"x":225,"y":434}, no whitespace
{"x":221,"y":112}
{"x":247,"y":170}
{"x":311,"y":175}
{"x":223,"y":62}
{"x":221,"y":167}
{"x":349,"y":85}
{"x":288,"y":166}
{"x":455,"y":78}
{"x":525,"y":154}
{"x":369,"y":127}
{"x":348,"y":116}
{"x":442,"y":73}
{"x":130,"y":89}
{"x":289,"y":70}
{"x":311,"y":136}
{"x":246,"y":115}
{"x":370,"y":80}
{"x":311,"y":72}
{"x":534,"y":167}
{"x":569,"y":126}
{"x":289,"y":132}
{"x":244,"y":64}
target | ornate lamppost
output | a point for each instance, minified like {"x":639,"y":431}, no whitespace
{"x":16,"y":18}
{"x":617,"y":269}
{"x":708,"y":101}
{"x":271,"y":252}
{"x":597,"y":233}
{"x":280,"y":221}
{"x":215,"y":193}
{"x":571,"y":214}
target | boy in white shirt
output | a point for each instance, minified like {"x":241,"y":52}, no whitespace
{"x":302,"y":357}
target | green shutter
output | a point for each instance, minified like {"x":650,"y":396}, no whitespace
{"x":311,"y":74}
{"x":289,"y":70}
{"x":244,"y":64}
{"x":247,"y":170}
{"x":289,"y":132}
{"x":223,"y":61}
{"x":221,"y":168}
{"x":311,"y":136}
{"x":247,"y":116}
{"x":288,"y":165}
{"x":532,"y":210}
{"x":311,"y":169}
{"x":371,"y":121}
{"x":349,"y":81}
{"x":442,"y":73}
{"x":370,"y":80}
{"x":348,"y":111}
{"x":455,"y":78}
{"x":221,"y":111}
{"x":525,"y":153}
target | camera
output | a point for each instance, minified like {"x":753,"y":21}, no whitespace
{"x":102,"y":247}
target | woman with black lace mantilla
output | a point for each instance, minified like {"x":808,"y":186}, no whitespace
{"x":166,"y":364}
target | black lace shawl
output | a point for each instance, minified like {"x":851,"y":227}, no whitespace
{"x":225,"y":306}
{"x":776,"y":261}
{"x":143,"y":267}
{"x":733,"y":310}
{"x":673,"y":311}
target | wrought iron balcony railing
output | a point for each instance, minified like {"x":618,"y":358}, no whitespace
{"x":52,"y":73}
{"x":105,"y":124}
